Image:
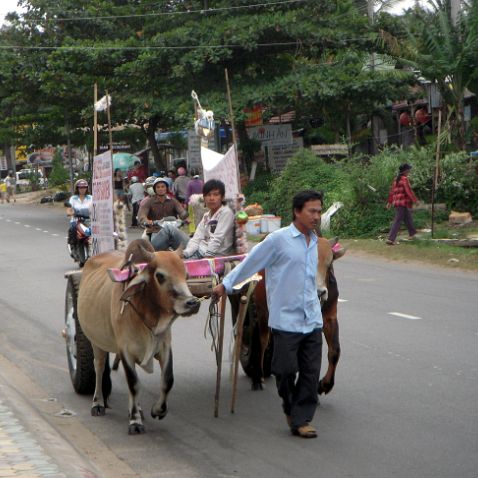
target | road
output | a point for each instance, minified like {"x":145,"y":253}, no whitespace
{"x":404,"y":404}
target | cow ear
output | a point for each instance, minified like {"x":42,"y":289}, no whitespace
{"x":119,"y":275}
{"x":135,"y":286}
{"x":338,"y":251}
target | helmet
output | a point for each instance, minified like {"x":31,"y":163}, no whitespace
{"x":80,"y":183}
{"x":149,"y":181}
{"x":134,"y":179}
{"x":161,"y":180}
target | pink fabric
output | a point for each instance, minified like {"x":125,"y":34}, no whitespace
{"x":202,"y":267}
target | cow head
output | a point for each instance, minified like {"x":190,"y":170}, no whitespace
{"x":155,"y":286}
{"x":328,"y":250}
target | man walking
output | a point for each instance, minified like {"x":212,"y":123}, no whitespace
{"x":290,"y":259}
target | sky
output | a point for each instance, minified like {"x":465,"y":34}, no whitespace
{"x":11,"y":5}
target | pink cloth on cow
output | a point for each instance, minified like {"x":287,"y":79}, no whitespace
{"x":208,"y":267}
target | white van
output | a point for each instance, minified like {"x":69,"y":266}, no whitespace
{"x":23,"y":177}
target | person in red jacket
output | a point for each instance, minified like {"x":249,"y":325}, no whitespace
{"x":402,"y":198}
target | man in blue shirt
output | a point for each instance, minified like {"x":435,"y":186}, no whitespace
{"x":290,"y":259}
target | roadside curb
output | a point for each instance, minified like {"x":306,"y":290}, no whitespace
{"x":35,"y":441}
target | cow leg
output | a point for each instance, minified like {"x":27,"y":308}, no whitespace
{"x":136,"y":426}
{"x":331,"y":332}
{"x":165,"y":356}
{"x":99,"y":404}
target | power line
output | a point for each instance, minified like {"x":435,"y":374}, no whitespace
{"x":189,"y":12}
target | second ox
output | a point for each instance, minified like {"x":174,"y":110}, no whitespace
{"x":126,"y":305}
{"x":256,"y":354}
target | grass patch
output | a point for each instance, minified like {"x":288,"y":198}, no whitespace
{"x":421,"y":250}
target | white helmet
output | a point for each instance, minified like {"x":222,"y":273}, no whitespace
{"x":134,"y":179}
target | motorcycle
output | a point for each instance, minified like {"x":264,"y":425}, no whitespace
{"x":79,"y":249}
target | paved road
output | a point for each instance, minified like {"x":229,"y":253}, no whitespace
{"x":404,"y":403}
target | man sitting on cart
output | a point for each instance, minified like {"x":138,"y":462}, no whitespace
{"x":214,"y":234}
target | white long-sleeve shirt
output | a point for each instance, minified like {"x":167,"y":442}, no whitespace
{"x":214,"y":235}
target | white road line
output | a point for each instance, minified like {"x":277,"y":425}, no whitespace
{"x":38,"y":228}
{"x":343,"y":300}
{"x":56,"y":235}
{"x":405,"y":316}
{"x":45,"y":231}
{"x":16,"y":222}
{"x":26,"y":225}
{"x":9,"y":220}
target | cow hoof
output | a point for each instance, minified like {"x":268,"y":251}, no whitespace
{"x":136,"y":429}
{"x":98,"y":411}
{"x":163,"y":411}
{"x":257,"y":386}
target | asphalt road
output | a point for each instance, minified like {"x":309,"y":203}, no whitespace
{"x":404,"y":404}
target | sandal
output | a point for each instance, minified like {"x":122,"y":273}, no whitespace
{"x":305,"y":431}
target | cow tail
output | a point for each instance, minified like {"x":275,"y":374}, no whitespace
{"x":106,"y":384}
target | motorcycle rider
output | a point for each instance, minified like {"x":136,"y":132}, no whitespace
{"x":79,"y":204}
{"x":160,"y":205}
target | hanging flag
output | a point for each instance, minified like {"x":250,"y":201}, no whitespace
{"x":103,"y":103}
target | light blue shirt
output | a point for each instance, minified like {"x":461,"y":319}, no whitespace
{"x":291,"y":271}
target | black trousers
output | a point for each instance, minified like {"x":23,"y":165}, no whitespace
{"x":296,"y":364}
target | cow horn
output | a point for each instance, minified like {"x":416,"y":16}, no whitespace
{"x":148,"y":255}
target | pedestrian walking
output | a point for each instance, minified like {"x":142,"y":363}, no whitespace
{"x":290,"y":259}
{"x":402,"y":198}
{"x":10,"y":181}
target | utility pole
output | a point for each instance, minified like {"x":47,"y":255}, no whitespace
{"x":455,"y":10}
{"x":374,"y":120}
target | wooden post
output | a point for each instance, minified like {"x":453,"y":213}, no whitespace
{"x":110,"y":133}
{"x":95,"y":121}
{"x":435,"y":174}
{"x":222,"y":308}
{"x":233,"y":126}
{"x":238,"y":339}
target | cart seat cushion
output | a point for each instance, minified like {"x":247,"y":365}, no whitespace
{"x":210,"y":266}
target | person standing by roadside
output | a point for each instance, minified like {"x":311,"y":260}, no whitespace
{"x":3,"y":191}
{"x":194,"y":186}
{"x":137,"y":194}
{"x":10,"y":181}
{"x":139,"y":171}
{"x":290,"y":259}
{"x":402,"y":198}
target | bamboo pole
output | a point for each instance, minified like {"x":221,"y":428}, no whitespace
{"x":435,"y":174}
{"x":110,"y":133}
{"x":233,"y":126}
{"x":95,"y":120}
{"x":222,"y":315}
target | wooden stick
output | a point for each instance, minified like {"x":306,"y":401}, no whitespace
{"x":238,"y":339}
{"x":435,"y":174}
{"x":233,"y":126}
{"x":222,"y":315}
{"x":110,"y":133}
{"x":95,"y":121}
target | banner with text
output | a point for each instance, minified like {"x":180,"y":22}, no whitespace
{"x":102,"y":226}
{"x":271,"y":134}
{"x":222,"y":167}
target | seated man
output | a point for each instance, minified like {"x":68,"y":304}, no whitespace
{"x":160,"y":205}
{"x":214,"y":235}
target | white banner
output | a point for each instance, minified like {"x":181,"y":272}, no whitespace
{"x":222,"y":167}
{"x":271,"y":134}
{"x":102,"y":226}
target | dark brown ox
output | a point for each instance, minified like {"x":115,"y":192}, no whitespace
{"x":258,"y":350}
{"x":126,"y":305}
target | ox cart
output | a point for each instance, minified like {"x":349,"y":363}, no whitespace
{"x":203,"y":275}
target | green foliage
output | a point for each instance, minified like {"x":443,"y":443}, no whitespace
{"x":363,"y":185}
{"x":58,"y":175}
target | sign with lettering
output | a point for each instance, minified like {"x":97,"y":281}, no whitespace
{"x":102,"y":225}
{"x":271,"y":134}
{"x":194,"y":150}
{"x":280,"y":155}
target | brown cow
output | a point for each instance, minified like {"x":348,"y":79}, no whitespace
{"x":259,"y":347}
{"x":126,"y":305}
